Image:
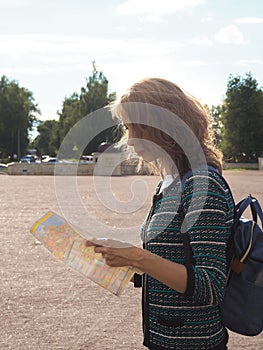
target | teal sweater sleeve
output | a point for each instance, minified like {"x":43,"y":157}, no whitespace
{"x":207,"y":220}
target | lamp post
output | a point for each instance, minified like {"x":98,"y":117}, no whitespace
{"x":18,"y":145}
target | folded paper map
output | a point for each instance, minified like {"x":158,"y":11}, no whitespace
{"x":66,"y":244}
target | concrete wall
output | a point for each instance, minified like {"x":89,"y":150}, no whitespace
{"x":68,"y":169}
{"x":109,"y":164}
{"x":240,"y":166}
{"x":260,"y":163}
{"x":48,"y":169}
{"x":125,"y":168}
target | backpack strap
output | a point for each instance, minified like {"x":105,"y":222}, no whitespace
{"x":258,"y":209}
{"x":157,"y":196}
{"x":242,"y":206}
{"x":255,"y":207}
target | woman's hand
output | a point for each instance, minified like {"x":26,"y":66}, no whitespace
{"x":117,"y":253}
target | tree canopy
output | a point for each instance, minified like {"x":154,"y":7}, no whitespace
{"x":92,"y":97}
{"x":17,"y":115}
{"x":47,"y":141}
{"x":239,"y":120}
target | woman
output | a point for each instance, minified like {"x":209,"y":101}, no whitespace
{"x":184,"y":255}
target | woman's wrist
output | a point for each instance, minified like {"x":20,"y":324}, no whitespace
{"x":142,"y":256}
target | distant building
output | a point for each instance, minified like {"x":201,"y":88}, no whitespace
{"x":108,"y":159}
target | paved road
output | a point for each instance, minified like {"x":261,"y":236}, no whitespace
{"x":46,"y":306}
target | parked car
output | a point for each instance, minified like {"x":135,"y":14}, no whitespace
{"x":50,"y":160}
{"x":29,"y":158}
{"x":87,"y":159}
{"x":44,"y":156}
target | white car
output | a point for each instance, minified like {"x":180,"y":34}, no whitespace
{"x":50,"y":160}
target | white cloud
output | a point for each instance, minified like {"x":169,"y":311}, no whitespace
{"x":202,"y":40}
{"x":195,"y":63}
{"x":121,"y":29}
{"x":39,"y":55}
{"x":18,"y":45}
{"x":208,"y":18}
{"x":64,"y":59}
{"x":16,"y":3}
{"x":247,"y":63}
{"x":23,"y":70}
{"x":26,"y":70}
{"x":229,"y":35}
{"x":249,"y":20}
{"x":152,"y":10}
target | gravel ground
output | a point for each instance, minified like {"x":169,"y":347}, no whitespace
{"x":47,"y":306}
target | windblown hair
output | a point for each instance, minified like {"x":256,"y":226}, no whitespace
{"x":168,"y":96}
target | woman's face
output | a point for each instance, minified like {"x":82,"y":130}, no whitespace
{"x":146,"y":149}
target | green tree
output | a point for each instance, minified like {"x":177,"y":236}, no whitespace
{"x":47,"y":141}
{"x":242,"y":119}
{"x":94,"y":96}
{"x":216,"y":112}
{"x":17,"y":115}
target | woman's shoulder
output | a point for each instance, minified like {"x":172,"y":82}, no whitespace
{"x":205,"y":179}
{"x":199,"y":180}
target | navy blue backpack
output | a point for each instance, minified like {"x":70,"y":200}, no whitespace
{"x":242,"y":306}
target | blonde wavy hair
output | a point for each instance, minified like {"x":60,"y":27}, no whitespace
{"x":170,"y":97}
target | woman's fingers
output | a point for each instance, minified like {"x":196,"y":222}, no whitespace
{"x":102,"y":250}
{"x":114,"y":261}
{"x":116,"y":253}
{"x":90,"y":244}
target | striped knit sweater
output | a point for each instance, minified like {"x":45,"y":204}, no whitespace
{"x":189,"y":321}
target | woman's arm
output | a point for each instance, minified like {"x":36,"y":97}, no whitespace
{"x":171,"y":274}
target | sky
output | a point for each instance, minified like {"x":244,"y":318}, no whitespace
{"x":49,"y":46}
